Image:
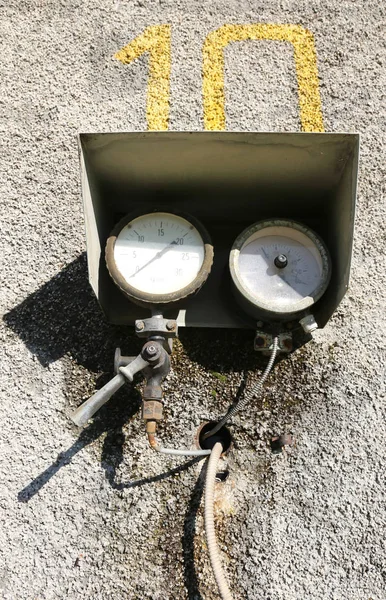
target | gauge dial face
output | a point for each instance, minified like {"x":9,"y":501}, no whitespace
{"x":157,"y":254}
{"x":280,"y":266}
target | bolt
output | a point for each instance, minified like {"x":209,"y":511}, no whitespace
{"x":151,"y":350}
{"x":170,"y":325}
{"x":140,"y":325}
{"x":279,"y":441}
{"x":308,"y":323}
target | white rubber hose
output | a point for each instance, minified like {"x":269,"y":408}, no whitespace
{"x":211,"y":541}
{"x":155,"y":444}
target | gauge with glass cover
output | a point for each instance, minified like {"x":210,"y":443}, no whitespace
{"x":159,"y":258}
{"x":279,"y":269}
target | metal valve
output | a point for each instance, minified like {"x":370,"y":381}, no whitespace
{"x":153,"y":361}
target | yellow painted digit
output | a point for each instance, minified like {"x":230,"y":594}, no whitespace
{"x":156,"y":41}
{"x":305,"y":61}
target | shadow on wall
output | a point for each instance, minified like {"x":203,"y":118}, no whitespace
{"x":63,"y":317}
{"x":110,"y":419}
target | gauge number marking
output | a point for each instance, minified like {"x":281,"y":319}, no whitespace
{"x":159,"y":255}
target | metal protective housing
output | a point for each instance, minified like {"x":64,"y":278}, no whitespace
{"x":228,"y":181}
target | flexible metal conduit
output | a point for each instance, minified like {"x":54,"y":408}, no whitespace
{"x":213,"y":459}
{"x":211,"y":541}
{"x":248,"y":395}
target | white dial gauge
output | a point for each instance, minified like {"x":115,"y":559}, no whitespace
{"x":159,"y":257}
{"x":279,"y":267}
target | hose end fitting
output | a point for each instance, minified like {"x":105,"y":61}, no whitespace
{"x":152,"y":413}
{"x":152,"y":410}
{"x":151,"y":427}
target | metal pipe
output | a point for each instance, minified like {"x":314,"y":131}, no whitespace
{"x":248,"y":395}
{"x":155,"y":444}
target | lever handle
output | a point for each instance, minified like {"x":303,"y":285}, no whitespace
{"x":97,"y":400}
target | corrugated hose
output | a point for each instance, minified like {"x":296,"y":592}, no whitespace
{"x":210,"y":533}
{"x":248,"y":395}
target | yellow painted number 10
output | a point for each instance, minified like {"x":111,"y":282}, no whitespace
{"x":156,"y":40}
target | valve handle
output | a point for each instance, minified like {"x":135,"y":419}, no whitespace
{"x":86,"y":410}
{"x":97,"y":400}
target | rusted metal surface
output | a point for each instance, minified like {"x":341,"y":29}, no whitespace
{"x":263,"y":341}
{"x":279,"y":441}
{"x":171,"y":325}
{"x":152,"y":441}
{"x":152,"y":410}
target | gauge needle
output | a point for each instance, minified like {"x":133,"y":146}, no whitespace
{"x":156,"y":257}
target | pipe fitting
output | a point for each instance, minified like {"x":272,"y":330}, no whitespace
{"x":153,"y":441}
{"x":159,"y":367}
{"x":152,"y":411}
{"x":151,"y":427}
{"x":152,"y":351}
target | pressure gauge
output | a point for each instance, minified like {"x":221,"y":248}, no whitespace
{"x":279,"y":268}
{"x":159,"y":258}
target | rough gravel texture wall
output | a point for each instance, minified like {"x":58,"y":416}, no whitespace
{"x":95,"y":514}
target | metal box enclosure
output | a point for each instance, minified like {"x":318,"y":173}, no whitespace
{"x":228,"y":181}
